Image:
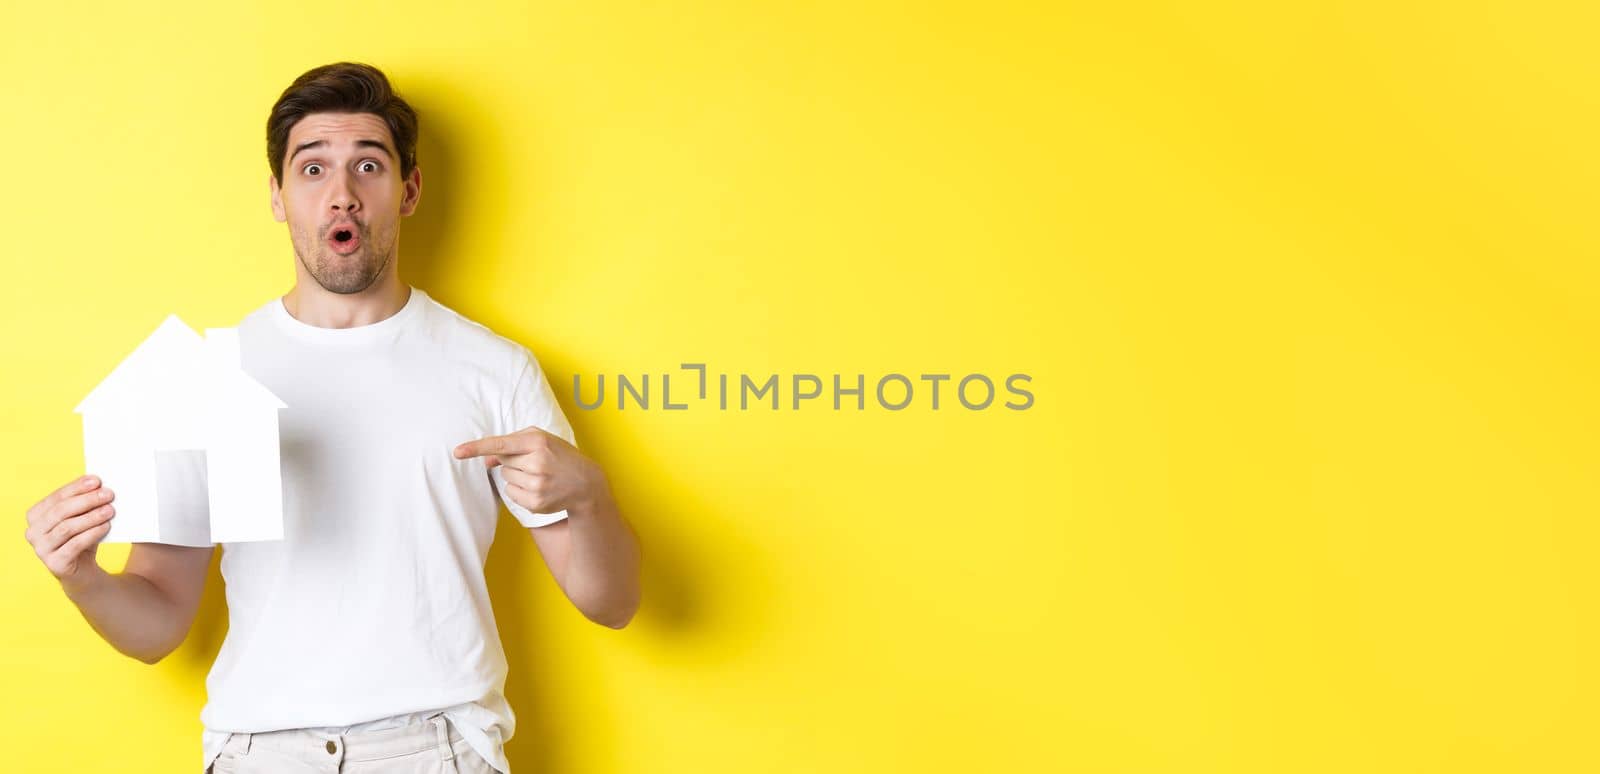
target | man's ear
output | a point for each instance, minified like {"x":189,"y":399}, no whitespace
{"x":413,"y":192}
{"x":277,"y":199}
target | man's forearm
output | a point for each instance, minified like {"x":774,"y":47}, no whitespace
{"x":603,"y":569}
{"x":127,"y":610}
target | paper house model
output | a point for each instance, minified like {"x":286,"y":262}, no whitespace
{"x":186,"y":441}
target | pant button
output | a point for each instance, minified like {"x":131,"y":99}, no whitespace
{"x":332,"y":748}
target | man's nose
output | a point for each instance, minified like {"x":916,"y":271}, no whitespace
{"x":343,"y":195}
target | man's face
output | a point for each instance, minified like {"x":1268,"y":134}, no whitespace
{"x":343,"y":198}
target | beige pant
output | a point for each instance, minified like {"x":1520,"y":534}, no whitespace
{"x":432,"y":747}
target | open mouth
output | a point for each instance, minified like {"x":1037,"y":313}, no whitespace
{"x":344,"y":240}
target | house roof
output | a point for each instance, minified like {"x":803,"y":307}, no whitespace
{"x":174,"y":360}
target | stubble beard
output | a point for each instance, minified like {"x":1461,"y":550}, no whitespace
{"x":344,"y":274}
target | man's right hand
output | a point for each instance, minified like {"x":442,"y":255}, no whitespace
{"x":66,"y":527}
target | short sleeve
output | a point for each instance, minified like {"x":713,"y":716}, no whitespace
{"x":531,"y":403}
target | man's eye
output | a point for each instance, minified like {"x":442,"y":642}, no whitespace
{"x":373,"y":164}
{"x":310,"y":167}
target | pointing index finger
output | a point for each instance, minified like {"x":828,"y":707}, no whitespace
{"x":496,"y":444}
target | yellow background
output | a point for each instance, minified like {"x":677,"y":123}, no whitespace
{"x":1308,"y":293}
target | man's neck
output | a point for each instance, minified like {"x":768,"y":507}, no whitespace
{"x":314,"y":305}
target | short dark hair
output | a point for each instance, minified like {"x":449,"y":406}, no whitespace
{"x":342,"y":87}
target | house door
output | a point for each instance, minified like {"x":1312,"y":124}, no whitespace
{"x":182,"y":498}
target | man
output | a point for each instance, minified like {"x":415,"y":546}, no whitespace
{"x":364,"y":640}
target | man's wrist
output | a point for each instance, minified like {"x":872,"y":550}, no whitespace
{"x":594,"y":495}
{"x":84,"y":581}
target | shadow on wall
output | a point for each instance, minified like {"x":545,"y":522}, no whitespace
{"x":679,"y":617}
{"x":425,"y":235}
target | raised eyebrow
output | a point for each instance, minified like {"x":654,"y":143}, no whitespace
{"x":380,"y":145}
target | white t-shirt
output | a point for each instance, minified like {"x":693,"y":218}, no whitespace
{"x":373,"y":609}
